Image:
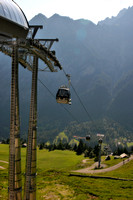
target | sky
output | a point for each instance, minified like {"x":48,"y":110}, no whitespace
{"x":93,"y":10}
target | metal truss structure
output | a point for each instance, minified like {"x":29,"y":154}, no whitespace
{"x":27,"y":52}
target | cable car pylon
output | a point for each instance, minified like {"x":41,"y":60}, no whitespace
{"x":23,"y":51}
{"x":15,"y":185}
{"x":30,"y":179}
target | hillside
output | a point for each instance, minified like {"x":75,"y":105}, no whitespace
{"x":54,"y":180}
{"x":100,"y":61}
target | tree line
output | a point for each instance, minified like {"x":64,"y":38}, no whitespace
{"x":83,"y":148}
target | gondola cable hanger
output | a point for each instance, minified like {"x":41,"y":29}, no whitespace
{"x":89,"y":116}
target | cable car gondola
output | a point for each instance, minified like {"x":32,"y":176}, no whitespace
{"x":63,"y":95}
{"x":88,"y":137}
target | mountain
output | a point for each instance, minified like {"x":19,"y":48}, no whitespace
{"x":100,"y":61}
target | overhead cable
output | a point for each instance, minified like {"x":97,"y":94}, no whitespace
{"x":60,"y":104}
{"x":89,"y":116}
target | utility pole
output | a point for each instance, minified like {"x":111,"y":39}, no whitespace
{"x":15,"y":185}
{"x":30,"y":179}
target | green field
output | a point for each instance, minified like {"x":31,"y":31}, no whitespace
{"x":129,"y":144}
{"x":54,"y":182}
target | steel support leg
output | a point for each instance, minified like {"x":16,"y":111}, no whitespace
{"x":99,"y":159}
{"x":30,"y":180}
{"x":15,"y":185}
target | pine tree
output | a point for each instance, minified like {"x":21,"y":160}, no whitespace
{"x":80,"y":148}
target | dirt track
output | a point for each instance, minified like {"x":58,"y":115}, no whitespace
{"x":3,"y":162}
{"x":90,"y":170}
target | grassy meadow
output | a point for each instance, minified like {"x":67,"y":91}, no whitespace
{"x":54,"y":182}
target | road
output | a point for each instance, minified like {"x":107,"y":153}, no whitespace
{"x":90,"y":170}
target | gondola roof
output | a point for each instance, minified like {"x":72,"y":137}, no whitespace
{"x":13,"y":22}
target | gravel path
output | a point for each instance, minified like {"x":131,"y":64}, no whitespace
{"x":90,"y":170}
{"x":3,"y":162}
{"x":2,"y":167}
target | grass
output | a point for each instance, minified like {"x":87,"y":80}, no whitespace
{"x":129,"y":144}
{"x":126,"y":171}
{"x":59,"y":160}
{"x":4,"y":154}
{"x":54,"y":182}
{"x":112,"y":161}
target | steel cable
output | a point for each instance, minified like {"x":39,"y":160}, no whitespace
{"x":89,"y":116}
{"x":60,"y":104}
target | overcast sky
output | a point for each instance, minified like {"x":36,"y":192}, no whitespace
{"x":94,"y":10}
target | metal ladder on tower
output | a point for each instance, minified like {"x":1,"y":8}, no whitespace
{"x":15,"y":187}
{"x":30,"y":179}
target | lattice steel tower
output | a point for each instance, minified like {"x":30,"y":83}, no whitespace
{"x":23,"y":49}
